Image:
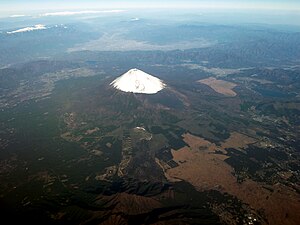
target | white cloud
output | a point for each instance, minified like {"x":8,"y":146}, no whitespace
{"x":15,"y":16}
{"x":26,"y":29}
{"x":71,"y":13}
{"x":135,"y":19}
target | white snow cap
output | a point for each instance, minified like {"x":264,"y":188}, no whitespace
{"x":137,"y":81}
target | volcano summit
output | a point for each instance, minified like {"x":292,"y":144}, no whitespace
{"x":137,"y":81}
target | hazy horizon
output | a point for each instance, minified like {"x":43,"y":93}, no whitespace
{"x":33,"y":5}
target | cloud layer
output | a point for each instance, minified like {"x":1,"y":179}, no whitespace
{"x":26,"y":29}
{"x":71,"y":13}
{"x":116,"y":42}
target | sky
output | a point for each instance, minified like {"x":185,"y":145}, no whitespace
{"x":30,"y":5}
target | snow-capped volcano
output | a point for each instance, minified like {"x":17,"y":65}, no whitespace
{"x":137,"y":81}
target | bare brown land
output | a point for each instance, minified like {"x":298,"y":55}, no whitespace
{"x":238,"y":141}
{"x":205,"y":170}
{"x":220,"y":86}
